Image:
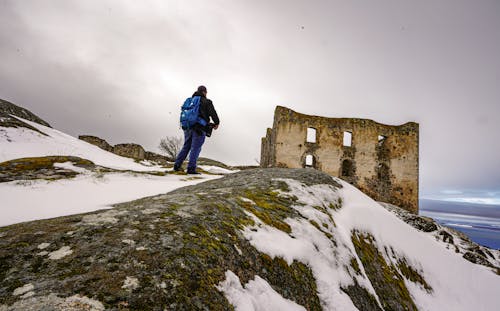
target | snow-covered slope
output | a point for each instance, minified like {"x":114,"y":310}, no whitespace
{"x":336,"y":225}
{"x":263,"y":239}
{"x":21,"y":142}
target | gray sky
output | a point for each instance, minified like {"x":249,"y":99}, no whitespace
{"x":121,"y":69}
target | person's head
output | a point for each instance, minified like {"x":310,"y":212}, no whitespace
{"x":202,"y":89}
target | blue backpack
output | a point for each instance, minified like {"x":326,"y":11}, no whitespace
{"x":190,"y":113}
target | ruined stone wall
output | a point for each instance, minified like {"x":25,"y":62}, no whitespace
{"x":382,"y":160}
{"x":99,"y":142}
{"x":133,"y":151}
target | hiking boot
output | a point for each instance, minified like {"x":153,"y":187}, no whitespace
{"x":177,"y":169}
{"x":193,"y":172}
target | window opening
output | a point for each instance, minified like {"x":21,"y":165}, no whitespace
{"x":311,"y":135}
{"x":309,"y":160}
{"x":381,"y":139}
{"x":347,"y":168}
{"x":347,"y":139}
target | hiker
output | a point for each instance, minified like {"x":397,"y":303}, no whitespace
{"x":196,"y":131}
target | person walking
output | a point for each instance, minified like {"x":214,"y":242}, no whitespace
{"x":194,"y":136}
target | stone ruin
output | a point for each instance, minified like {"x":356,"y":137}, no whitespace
{"x":381,"y":160}
{"x":133,"y":151}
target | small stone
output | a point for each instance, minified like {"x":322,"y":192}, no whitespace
{"x":23,"y":289}
{"x":60,"y":253}
{"x":129,"y":242}
{"x":43,"y":245}
{"x":130,"y":283}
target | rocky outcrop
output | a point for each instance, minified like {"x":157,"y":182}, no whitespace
{"x":133,"y":151}
{"x":99,"y":142}
{"x":172,"y":251}
{"x":453,"y":239}
{"x":164,"y":252}
{"x":41,"y":168}
{"x":155,"y":157}
{"x":8,"y":112}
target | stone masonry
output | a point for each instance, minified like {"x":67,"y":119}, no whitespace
{"x":381,"y":160}
{"x":134,"y":151}
{"x":99,"y":142}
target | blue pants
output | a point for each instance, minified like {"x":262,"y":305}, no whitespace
{"x":192,"y":145}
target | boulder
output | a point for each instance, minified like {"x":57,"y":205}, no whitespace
{"x":99,"y":142}
{"x":133,"y":151}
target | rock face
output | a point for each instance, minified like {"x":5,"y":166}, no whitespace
{"x":40,"y":168}
{"x":380,"y":160}
{"x":8,"y":109}
{"x":453,"y":239}
{"x":133,"y":151}
{"x":164,"y":252}
{"x":151,"y":156}
{"x":99,"y":142}
{"x":172,"y":251}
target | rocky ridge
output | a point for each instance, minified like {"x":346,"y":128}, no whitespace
{"x":8,"y":110}
{"x":171,"y":252}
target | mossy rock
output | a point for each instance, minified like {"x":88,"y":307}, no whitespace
{"x":40,"y":168}
{"x":176,"y":247}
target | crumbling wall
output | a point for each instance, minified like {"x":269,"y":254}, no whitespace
{"x":382,"y":160}
{"x":99,"y":142}
{"x":133,"y":151}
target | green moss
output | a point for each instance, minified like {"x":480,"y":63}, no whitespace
{"x":387,"y":282}
{"x":35,"y":163}
{"x":270,"y":207}
{"x":411,"y":274}
{"x":355,"y":266}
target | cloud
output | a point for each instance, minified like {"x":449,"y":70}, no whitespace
{"x":121,"y":70}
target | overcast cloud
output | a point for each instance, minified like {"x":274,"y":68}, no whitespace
{"x":121,"y":69}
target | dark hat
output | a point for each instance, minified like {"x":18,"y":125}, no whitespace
{"x":202,"y":88}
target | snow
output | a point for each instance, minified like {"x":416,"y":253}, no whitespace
{"x":457,"y":284}
{"x":216,"y":169}
{"x":40,"y":199}
{"x":21,"y":142}
{"x":60,"y":253}
{"x":257,"y":294}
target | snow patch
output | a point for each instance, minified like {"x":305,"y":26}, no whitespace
{"x":43,"y":245}
{"x":256,"y":295}
{"x":130,"y":283}
{"x":41,"y":199}
{"x":60,"y":253}
{"x":70,"y":166}
{"x":216,"y":169}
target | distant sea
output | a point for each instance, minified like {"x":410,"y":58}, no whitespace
{"x":481,"y":222}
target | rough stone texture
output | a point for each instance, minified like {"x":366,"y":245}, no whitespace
{"x":386,"y":170}
{"x":8,"y":110}
{"x":453,"y":239}
{"x":167,"y":252}
{"x":40,"y":168}
{"x":133,"y":151}
{"x":178,"y":246}
{"x":99,"y":142}
{"x":155,"y":157}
